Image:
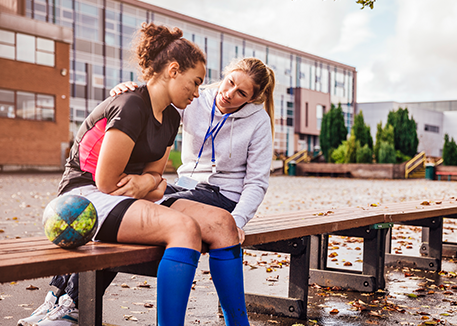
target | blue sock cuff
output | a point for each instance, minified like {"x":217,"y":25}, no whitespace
{"x":182,"y":255}
{"x":226,"y":253}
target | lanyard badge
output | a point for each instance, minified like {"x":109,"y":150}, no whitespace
{"x":212,"y":133}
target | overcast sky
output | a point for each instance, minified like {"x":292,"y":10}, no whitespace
{"x":403,"y":50}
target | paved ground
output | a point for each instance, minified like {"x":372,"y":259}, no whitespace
{"x":412,"y":297}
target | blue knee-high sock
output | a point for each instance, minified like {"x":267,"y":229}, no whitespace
{"x":226,"y":265}
{"x":174,"y":281}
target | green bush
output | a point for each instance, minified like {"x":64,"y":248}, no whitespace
{"x":364,"y":154}
{"x":339,"y":154}
{"x":351,"y":153}
{"x":402,"y":157}
{"x":175,"y":157}
{"x":386,"y":153}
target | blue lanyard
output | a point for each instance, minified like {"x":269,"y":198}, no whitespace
{"x":212,"y":132}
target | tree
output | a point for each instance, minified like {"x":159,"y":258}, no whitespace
{"x":386,"y":153}
{"x":339,"y":154}
{"x":351,"y":153}
{"x":383,"y":135}
{"x":362,"y":131}
{"x":366,"y":3}
{"x":333,"y":131}
{"x":405,"y":131}
{"x":364,"y":154}
{"x":449,"y":151}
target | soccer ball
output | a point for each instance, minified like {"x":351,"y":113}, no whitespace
{"x":70,"y":221}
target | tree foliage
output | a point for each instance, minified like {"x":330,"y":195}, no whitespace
{"x":366,"y":3}
{"x":386,"y":153}
{"x":339,"y":154}
{"x":364,"y":154}
{"x":449,"y":151}
{"x":362,"y":131}
{"x":405,"y":131}
{"x":383,"y":135}
{"x":351,"y":153}
{"x":333,"y":131}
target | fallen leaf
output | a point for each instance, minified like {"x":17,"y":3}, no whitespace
{"x":348,"y":263}
{"x":334,"y":311}
{"x":32,"y":287}
{"x":148,"y":305}
{"x":130,"y":317}
{"x":425,"y":203}
{"x":123,"y":285}
{"x":142,"y":285}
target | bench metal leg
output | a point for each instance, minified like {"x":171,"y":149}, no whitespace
{"x":431,"y":247}
{"x":318,"y":251}
{"x":372,"y":277}
{"x":91,"y":298}
{"x":296,"y":304}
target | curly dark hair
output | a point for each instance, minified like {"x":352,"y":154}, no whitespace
{"x":157,"y":45}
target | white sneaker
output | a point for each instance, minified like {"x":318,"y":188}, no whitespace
{"x":41,"y":311}
{"x":64,"y":314}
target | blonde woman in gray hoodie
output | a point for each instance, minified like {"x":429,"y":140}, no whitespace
{"x":227,"y":136}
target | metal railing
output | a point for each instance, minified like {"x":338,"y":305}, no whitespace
{"x":298,"y":157}
{"x":414,"y":163}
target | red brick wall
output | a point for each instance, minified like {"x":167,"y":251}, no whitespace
{"x":29,"y":142}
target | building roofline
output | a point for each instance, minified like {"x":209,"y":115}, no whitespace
{"x":226,"y":30}
{"x":34,"y":27}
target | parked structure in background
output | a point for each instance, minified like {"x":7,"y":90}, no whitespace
{"x":34,"y":93}
{"x":99,"y":57}
{"x":433,"y":120}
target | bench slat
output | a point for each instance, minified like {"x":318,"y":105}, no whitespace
{"x":46,"y":260}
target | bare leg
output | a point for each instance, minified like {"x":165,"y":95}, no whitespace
{"x":219,"y":231}
{"x":217,"y":226}
{"x":149,"y":223}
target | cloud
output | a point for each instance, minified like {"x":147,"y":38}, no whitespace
{"x":355,"y":31}
{"x":418,"y":61}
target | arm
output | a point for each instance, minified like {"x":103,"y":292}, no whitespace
{"x":150,"y":185}
{"x":257,"y":174}
{"x":156,"y":169}
{"x":109,"y":175}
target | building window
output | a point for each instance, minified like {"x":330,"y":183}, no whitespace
{"x":432,"y":128}
{"x":26,"y":105}
{"x":7,"y":104}
{"x":27,"y":48}
{"x":319,"y":115}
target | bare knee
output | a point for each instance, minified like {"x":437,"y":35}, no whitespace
{"x":185,"y":232}
{"x":221,"y":230}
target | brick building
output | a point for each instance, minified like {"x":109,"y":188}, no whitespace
{"x":34,"y":91}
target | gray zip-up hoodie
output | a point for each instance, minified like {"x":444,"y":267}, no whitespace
{"x":243,"y":151}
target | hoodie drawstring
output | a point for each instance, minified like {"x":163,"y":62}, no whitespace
{"x":231,"y":133}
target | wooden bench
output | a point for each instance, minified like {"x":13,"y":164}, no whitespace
{"x":448,"y":173}
{"x":297,"y":233}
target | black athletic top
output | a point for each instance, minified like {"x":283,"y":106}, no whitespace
{"x":132,"y":114}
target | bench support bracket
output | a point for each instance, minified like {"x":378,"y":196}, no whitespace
{"x":296,"y":304}
{"x":372,"y":277}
